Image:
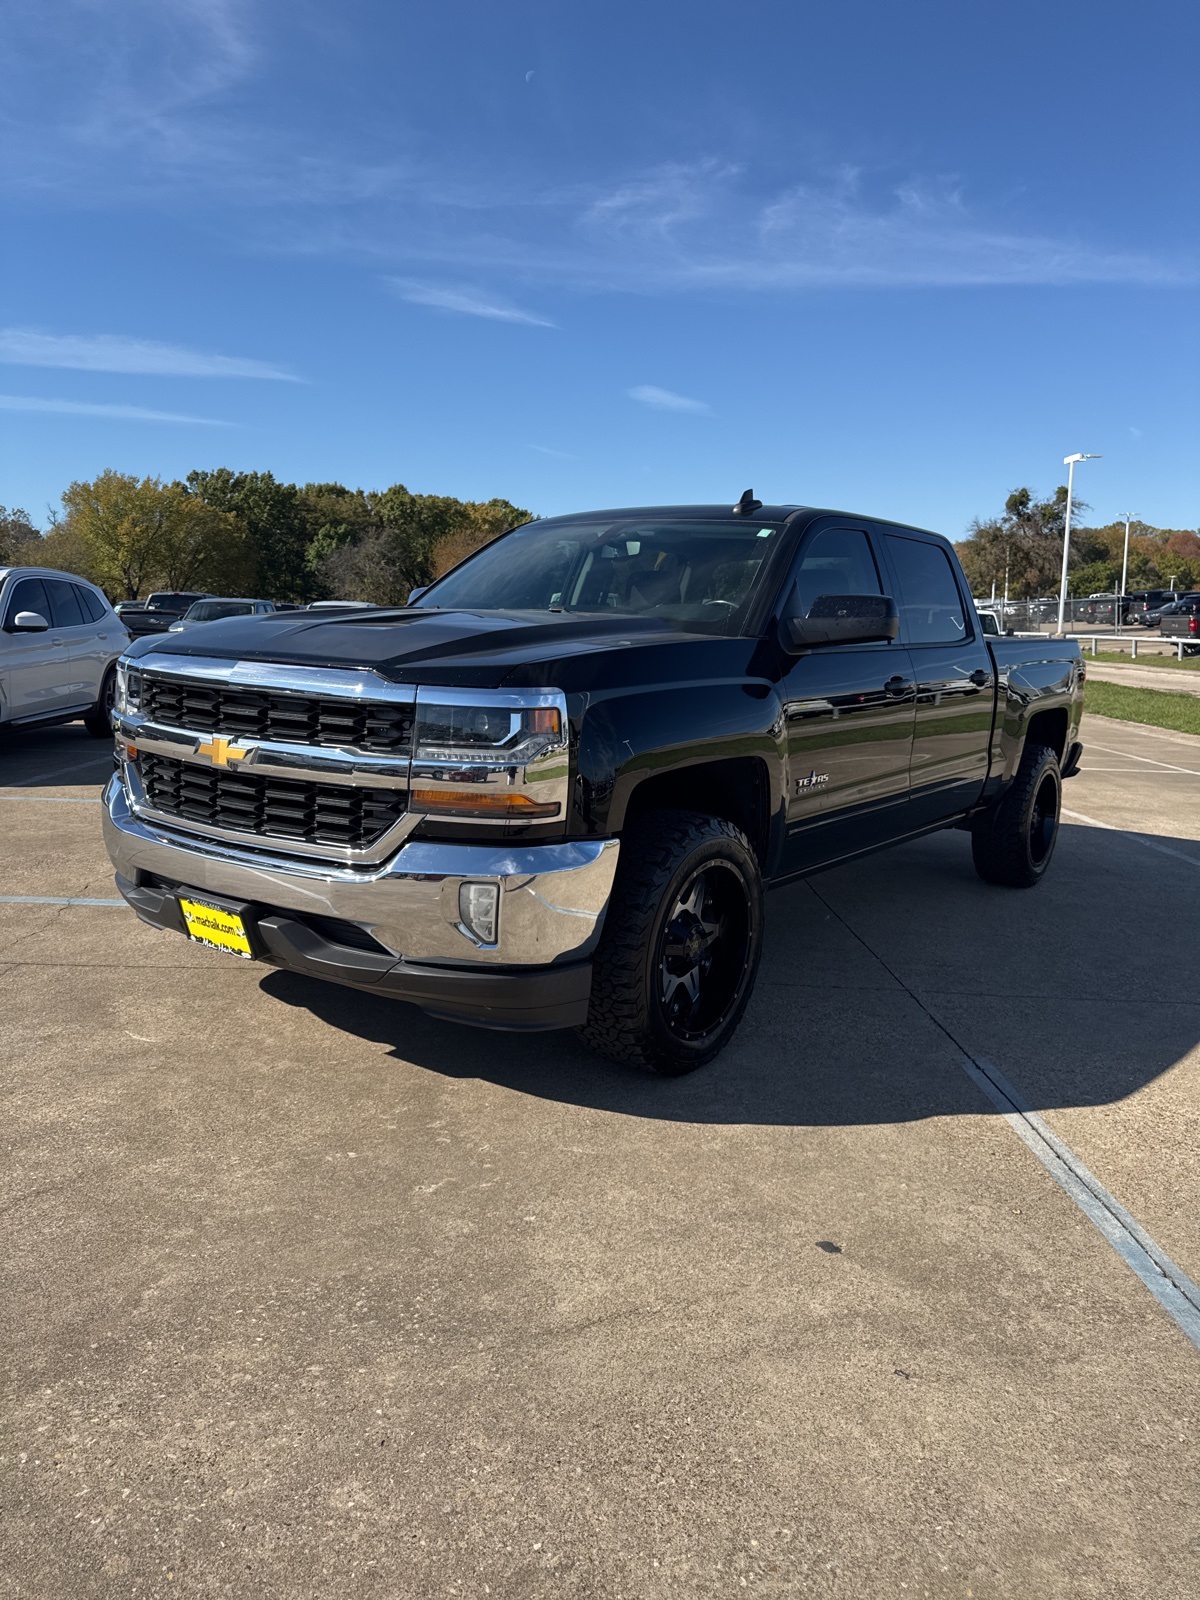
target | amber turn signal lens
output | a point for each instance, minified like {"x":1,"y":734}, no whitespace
{"x":481,"y":804}
{"x":546,"y":719}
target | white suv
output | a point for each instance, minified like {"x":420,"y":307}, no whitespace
{"x":59,"y":643}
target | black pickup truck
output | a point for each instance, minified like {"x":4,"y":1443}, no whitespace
{"x":550,"y":791}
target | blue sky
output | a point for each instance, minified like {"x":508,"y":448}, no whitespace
{"x":898,"y":258}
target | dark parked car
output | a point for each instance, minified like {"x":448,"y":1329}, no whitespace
{"x":1153,"y":619}
{"x":552,"y":793}
{"x":1182,"y":621}
{"x":215,"y":610}
{"x":1142,"y":601}
{"x":158,"y":611}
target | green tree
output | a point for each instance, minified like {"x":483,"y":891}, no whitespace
{"x":203,"y":548}
{"x":413,"y":538}
{"x":1024,"y":543}
{"x":277,"y":531}
{"x":336,"y":517}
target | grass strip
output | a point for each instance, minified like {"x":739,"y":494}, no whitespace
{"x":1179,"y":712}
{"x":1123,"y":658}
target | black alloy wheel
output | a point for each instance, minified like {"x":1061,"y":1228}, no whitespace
{"x":703,"y":952}
{"x":1013,"y":844}
{"x":682,"y":937}
{"x":1043,"y":820}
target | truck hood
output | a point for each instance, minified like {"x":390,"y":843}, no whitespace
{"x":477,"y":649}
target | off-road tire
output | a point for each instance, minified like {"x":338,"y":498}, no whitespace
{"x":660,"y":855}
{"x":1013,"y":844}
{"x":98,"y":721}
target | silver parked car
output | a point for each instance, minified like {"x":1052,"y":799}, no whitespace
{"x":59,"y":643}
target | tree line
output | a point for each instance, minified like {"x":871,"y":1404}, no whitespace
{"x":247,"y":533}
{"x":1021,"y":549}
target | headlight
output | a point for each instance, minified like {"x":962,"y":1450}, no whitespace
{"x":484,"y":754}
{"x":128,"y":695}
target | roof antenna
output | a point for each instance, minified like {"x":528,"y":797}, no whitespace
{"x":747,"y":504}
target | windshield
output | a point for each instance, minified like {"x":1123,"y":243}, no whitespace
{"x":696,"y":575}
{"x":210,"y":610}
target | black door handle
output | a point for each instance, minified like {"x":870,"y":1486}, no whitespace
{"x":896,"y":685}
{"x":979,"y":677}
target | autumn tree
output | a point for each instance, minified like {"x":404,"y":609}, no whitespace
{"x":19,"y":538}
{"x":65,"y":549}
{"x":121,"y":520}
{"x":483,"y":522}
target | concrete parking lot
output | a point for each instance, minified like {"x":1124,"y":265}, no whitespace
{"x":306,"y":1294}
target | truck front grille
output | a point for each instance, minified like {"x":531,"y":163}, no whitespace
{"x":381,"y":727}
{"x":275,"y":808}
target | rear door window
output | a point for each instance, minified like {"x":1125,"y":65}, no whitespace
{"x":64,"y":603}
{"x":931,"y":608}
{"x":90,"y":602}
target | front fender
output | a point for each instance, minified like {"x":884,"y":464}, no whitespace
{"x":632,"y":735}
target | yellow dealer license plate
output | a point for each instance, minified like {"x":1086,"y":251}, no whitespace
{"x":215,"y":927}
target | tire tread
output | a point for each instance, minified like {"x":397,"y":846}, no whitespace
{"x":998,"y":845}
{"x":618,"y":1022}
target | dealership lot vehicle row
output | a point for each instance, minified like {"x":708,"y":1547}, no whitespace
{"x":298,"y":1259}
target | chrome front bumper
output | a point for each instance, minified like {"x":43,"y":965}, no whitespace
{"x":552,"y":896}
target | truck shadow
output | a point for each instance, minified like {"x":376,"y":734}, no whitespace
{"x":876,"y":979}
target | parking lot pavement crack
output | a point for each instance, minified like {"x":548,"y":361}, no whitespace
{"x":27,"y":933}
{"x":1167,"y":1282}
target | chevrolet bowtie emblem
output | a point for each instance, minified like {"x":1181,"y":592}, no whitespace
{"x":219,"y":751}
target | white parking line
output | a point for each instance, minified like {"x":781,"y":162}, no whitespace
{"x":1150,"y":761}
{"x":1138,"y":838}
{"x":53,"y":900}
{"x":1172,"y":1288}
{"x":50,"y":800}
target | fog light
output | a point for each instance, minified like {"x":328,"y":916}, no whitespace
{"x":479,"y":909}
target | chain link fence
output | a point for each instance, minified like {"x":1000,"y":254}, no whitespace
{"x":1099,"y":613}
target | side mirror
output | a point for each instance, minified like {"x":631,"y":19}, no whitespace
{"x":415,"y":594}
{"x":28,"y":622}
{"x":840,"y":619}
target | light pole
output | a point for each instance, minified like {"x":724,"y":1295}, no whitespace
{"x":1069,"y":463}
{"x":1125,"y":562}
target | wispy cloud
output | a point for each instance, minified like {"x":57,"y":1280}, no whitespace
{"x":190,"y":106}
{"x":468,"y":302}
{"x":108,"y":352}
{"x":666,"y":399}
{"x":559,"y":455}
{"x":847,"y":231}
{"x":115,"y":413}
